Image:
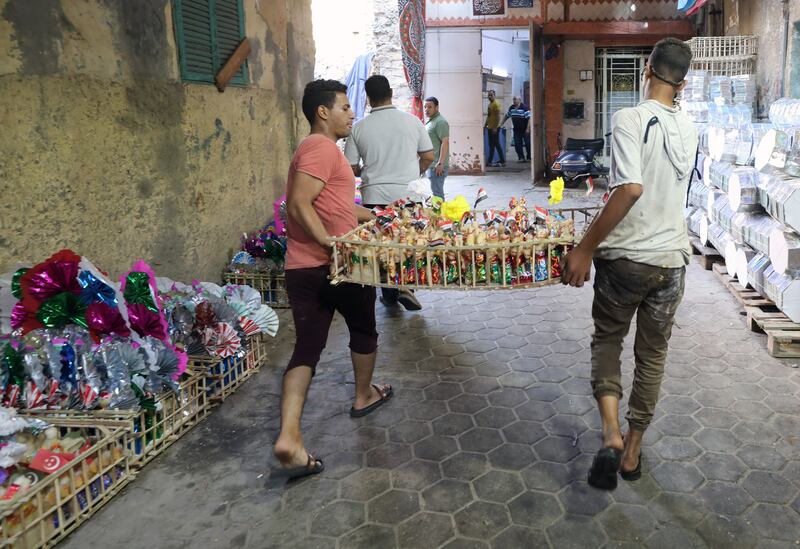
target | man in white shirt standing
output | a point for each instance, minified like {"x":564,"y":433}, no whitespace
{"x":388,"y":149}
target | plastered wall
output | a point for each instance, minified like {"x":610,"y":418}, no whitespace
{"x":107,"y":152}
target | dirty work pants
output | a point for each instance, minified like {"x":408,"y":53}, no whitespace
{"x":623,"y":288}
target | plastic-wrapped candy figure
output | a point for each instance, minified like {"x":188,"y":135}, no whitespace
{"x":540,"y":266}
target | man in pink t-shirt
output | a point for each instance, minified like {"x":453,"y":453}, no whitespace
{"x":320,"y":202}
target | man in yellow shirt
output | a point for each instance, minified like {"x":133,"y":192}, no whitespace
{"x":493,"y":125}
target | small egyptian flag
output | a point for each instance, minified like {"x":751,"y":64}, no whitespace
{"x":480,"y":198}
{"x":541,"y":213}
{"x":446,"y":226}
{"x":589,"y":185}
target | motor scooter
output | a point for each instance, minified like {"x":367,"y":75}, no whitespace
{"x":575,"y":161}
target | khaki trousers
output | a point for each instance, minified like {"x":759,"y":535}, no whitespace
{"x":623,"y":288}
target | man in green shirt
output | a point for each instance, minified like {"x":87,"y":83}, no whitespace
{"x":439,"y":132}
{"x":493,"y":126}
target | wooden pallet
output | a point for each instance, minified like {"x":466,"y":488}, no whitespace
{"x":748,"y":298}
{"x":763,"y":316}
{"x":783,"y":335}
{"x":708,"y":257}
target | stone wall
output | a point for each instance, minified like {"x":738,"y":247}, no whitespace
{"x":368,"y":25}
{"x":107,"y":152}
{"x":765,"y":20}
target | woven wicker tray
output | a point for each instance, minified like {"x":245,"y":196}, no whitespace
{"x":489,"y":266}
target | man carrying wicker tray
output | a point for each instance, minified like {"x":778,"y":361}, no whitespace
{"x":320,"y":204}
{"x":640,"y":248}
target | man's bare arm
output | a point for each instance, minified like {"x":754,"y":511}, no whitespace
{"x":425,"y":160}
{"x":363,"y":214}
{"x":578,"y":262}
{"x":443,"y":154}
{"x":300,"y":205}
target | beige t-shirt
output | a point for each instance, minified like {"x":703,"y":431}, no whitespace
{"x":654,"y":230}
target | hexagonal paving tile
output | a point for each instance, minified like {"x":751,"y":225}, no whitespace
{"x":716,"y":418}
{"x":756,"y":432}
{"x":535,"y":509}
{"x":535,"y":410}
{"x":524,"y":432}
{"x":673,"y":404}
{"x":370,"y":437}
{"x":576,"y":532}
{"x":492,"y":369}
{"x":464,"y":543}
{"x":581,"y":499}
{"x":467,"y":404}
{"x":442,"y":391}
{"x":725,"y":498}
{"x":469,"y":359}
{"x":519,"y":380}
{"x":678,"y":448}
{"x":565,"y":425}
{"x":760,"y":457}
{"x":572,"y":404}
{"x":448,"y":349}
{"x":546,"y":476}
{"x":678,"y":509}
{"x":507,"y":397}
{"x":511,"y":456}
{"x":498,"y":486}
{"x":677,"y":476}
{"x":526,"y":364}
{"x":425,"y":530}
{"x":337,"y":518}
{"x":535,"y":351}
{"x":721,"y":466}
{"x":624,"y":522}
{"x":435,"y":448}
{"x":389,"y":455}
{"x":717,"y":440}
{"x":447,"y":496}
{"x":558,"y":449}
{"x":409,"y":431}
{"x":677,"y":425}
{"x":494,"y":417}
{"x":365,"y":484}
{"x":519,"y":536}
{"x":482,"y":520}
{"x":465,"y":466}
{"x":768,"y":487}
{"x":544,"y":392}
{"x":427,"y":410}
{"x":775,"y":522}
{"x":452,"y":424}
{"x":393,"y":507}
{"x":416,"y":475}
{"x":721,"y":531}
{"x":480,"y":440}
{"x":457,"y":374}
{"x":480,"y":385}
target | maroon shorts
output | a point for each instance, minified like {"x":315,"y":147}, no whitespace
{"x":314,"y":300}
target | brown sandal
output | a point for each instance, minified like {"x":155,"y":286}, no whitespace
{"x":385,"y":392}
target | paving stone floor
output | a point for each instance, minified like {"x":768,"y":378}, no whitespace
{"x":488,"y":440}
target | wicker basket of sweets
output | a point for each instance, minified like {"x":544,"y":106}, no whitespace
{"x":415,"y":248}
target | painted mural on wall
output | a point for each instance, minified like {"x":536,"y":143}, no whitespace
{"x":412,"y":40}
{"x":488,"y":7}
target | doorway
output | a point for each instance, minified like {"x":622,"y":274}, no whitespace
{"x":618,"y":85}
{"x":505,"y":68}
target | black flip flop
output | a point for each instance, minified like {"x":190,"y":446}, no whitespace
{"x":313,"y":466}
{"x":385,"y":392}
{"x":603,"y":474}
{"x":636,"y":474}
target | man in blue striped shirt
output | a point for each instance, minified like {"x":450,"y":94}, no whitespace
{"x":520,"y":116}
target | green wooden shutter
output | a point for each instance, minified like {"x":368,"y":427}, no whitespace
{"x":229,"y":19}
{"x":207,"y":33}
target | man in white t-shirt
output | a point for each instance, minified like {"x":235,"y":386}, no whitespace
{"x":388,"y":149}
{"x":640,"y":249}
